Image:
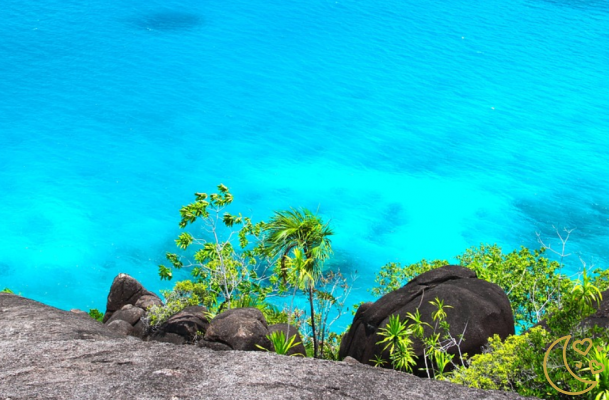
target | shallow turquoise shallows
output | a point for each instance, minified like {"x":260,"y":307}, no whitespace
{"x":419,"y":128}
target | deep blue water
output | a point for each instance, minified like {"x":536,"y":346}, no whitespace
{"x":418,"y":128}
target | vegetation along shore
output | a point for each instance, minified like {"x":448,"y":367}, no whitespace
{"x":486,"y":322}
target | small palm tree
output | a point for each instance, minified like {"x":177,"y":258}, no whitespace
{"x":300,"y":229}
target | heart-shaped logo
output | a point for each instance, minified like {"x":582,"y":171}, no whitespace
{"x":594,"y":363}
{"x":581,"y":342}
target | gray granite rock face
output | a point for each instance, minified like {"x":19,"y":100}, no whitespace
{"x":47,"y":353}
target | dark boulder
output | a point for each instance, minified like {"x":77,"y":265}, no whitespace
{"x":289,"y":331}
{"x":480,"y":309}
{"x":167,"y":337}
{"x":124,"y":290}
{"x":140,"y":330}
{"x":187,"y":324}
{"x":120,"y":326}
{"x":128,"y":313}
{"x":147,"y":301}
{"x":239,"y":328}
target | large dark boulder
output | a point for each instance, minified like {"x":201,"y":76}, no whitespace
{"x":186,"y":324}
{"x":124,"y":290}
{"x":120,"y":326}
{"x":239,"y":328}
{"x":147,"y":301}
{"x":53,"y":354}
{"x":480,"y":310}
{"x":128,"y":313}
{"x":289,"y":331}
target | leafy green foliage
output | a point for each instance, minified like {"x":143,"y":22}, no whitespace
{"x":393,"y":333}
{"x":184,"y":294}
{"x":225,"y":276}
{"x":601,"y":391}
{"x":396,"y":338}
{"x":6,"y":290}
{"x":601,"y":279}
{"x":96,"y":314}
{"x":393,"y":276}
{"x":231,"y":259}
{"x":575,"y":304}
{"x":517,"y":363}
{"x":281,"y":344}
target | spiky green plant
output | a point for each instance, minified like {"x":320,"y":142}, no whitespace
{"x":397,"y":339}
{"x":281,"y":344}
{"x":300,"y":229}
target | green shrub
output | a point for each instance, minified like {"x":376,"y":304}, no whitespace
{"x":397,"y":337}
{"x":224,"y":271}
{"x":514,"y":365}
{"x":393,"y":276}
{"x":96,"y":314}
{"x":6,"y":290}
{"x":517,"y":363}
{"x":184,"y":294}
{"x":281,"y":344}
{"x":601,"y":391}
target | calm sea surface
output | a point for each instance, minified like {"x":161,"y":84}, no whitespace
{"x":418,"y":128}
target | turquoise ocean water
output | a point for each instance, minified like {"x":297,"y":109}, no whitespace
{"x":418,"y":128}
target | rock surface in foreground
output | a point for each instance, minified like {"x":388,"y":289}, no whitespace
{"x":52,"y":354}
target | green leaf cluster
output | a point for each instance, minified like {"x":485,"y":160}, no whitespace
{"x":184,"y":294}
{"x":393,"y":275}
{"x":282,"y":345}
{"x":516,"y":364}
{"x":601,"y":355}
{"x":398,"y":338}
{"x":225,"y":276}
{"x":96,"y":314}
